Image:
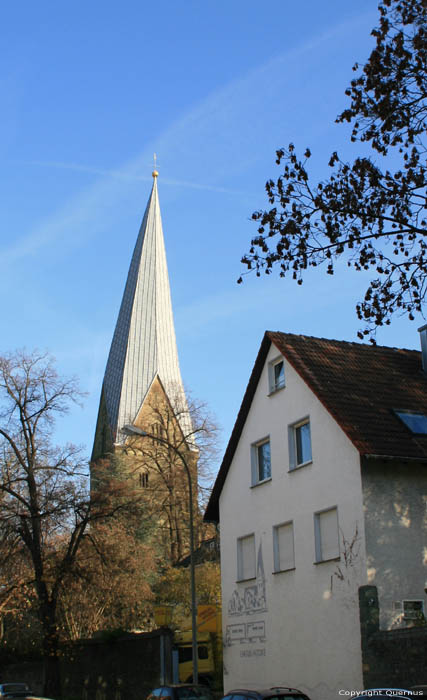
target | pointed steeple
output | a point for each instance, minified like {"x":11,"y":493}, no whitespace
{"x":144,"y":343}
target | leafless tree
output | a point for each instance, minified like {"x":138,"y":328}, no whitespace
{"x":45,"y":504}
{"x":181,"y":436}
{"x":111,"y":587}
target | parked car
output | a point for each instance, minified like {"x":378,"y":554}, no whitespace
{"x":275,"y":693}
{"x":14,"y":690}
{"x":181,"y":691}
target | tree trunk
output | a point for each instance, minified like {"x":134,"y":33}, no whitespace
{"x":51,"y":659}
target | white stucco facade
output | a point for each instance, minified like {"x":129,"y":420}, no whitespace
{"x":298,"y":627}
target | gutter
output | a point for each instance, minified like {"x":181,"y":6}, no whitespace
{"x":393,"y":458}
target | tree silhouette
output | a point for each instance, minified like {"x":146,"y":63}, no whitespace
{"x":371,"y":214}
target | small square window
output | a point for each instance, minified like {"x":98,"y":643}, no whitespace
{"x":246,"y":557}
{"x":299,"y":444}
{"x":276,"y":375}
{"x":413,"y":609}
{"x":283,"y":547}
{"x":326,"y":535}
{"x":261,"y":461}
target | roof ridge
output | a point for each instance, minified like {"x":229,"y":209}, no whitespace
{"x":370,"y":346}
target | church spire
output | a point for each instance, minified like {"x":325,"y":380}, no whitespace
{"x":144,"y":343}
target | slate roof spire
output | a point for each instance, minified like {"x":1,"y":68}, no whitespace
{"x":144,"y":343}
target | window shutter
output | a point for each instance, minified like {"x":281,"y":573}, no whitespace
{"x":246,"y":557}
{"x":291,"y":444}
{"x":270,"y":378}
{"x":254,"y":465}
{"x":284,"y":555}
{"x":329,"y":543}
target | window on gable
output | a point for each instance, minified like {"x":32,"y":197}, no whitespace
{"x":276,"y":375}
{"x":299,"y":436}
{"x":261,"y":461}
{"x":283,"y":547}
{"x":416,"y":422}
{"x":326,"y":535}
{"x":246,"y":557}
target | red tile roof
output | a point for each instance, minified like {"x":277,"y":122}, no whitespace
{"x":360,"y":385}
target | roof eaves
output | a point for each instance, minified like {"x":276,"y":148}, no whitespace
{"x":290,"y":347}
{"x":395,"y":458}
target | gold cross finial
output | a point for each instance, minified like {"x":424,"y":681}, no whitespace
{"x":155,"y":173}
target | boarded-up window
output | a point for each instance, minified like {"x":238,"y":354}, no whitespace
{"x":283,"y":546}
{"x":326,"y":534}
{"x":246,"y":557}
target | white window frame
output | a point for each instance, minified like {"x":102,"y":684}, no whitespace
{"x":240,"y":563}
{"x":292,"y":441}
{"x":276,"y":550}
{"x":319,"y":557}
{"x":255,"y":461}
{"x":273,"y":385}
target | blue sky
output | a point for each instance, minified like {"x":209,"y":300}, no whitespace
{"x":89,"y":92}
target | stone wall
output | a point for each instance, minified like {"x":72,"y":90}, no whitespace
{"x":391,"y":658}
{"x":123,"y":668}
{"x":397,"y":658}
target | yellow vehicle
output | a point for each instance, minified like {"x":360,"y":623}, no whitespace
{"x":209,"y":649}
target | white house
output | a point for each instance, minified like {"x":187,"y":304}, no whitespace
{"x":322,"y":490}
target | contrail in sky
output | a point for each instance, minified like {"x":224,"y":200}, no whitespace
{"x":218,"y":130}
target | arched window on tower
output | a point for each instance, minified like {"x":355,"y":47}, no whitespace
{"x":158,"y":431}
{"x":143,"y":480}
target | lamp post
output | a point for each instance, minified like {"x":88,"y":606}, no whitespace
{"x":133,"y":430}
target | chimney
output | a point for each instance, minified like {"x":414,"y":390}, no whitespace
{"x":423,"y":336}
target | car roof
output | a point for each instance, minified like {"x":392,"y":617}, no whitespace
{"x":181,"y":685}
{"x":266,"y":692}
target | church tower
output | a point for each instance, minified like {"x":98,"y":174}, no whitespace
{"x":143,"y":404}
